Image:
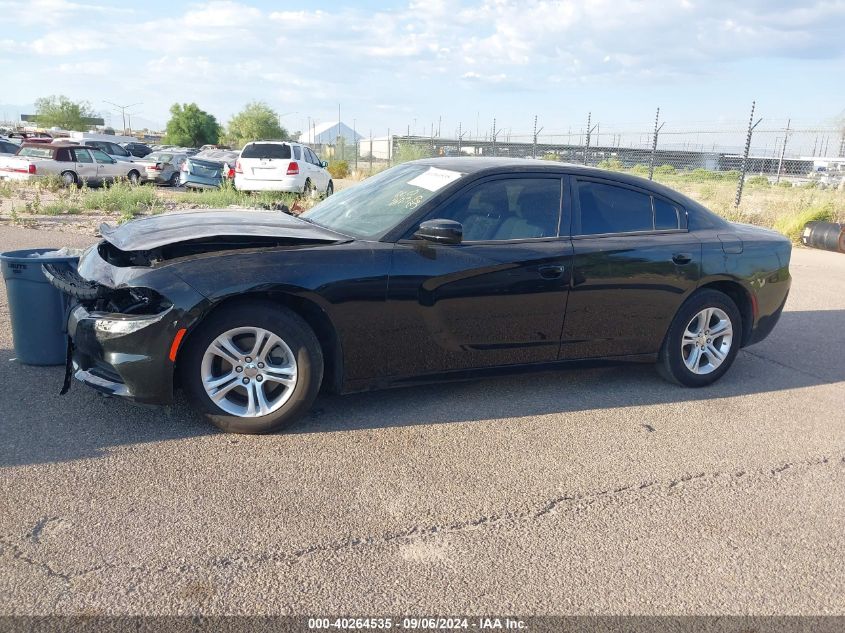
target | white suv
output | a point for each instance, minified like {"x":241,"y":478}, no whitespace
{"x":281,"y":166}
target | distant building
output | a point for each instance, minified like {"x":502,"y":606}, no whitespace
{"x":378,"y":148}
{"x":328,"y":133}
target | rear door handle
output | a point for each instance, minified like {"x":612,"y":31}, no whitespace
{"x":551,"y":272}
{"x":681,"y":258}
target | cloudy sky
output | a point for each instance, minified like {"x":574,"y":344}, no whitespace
{"x":400,"y":64}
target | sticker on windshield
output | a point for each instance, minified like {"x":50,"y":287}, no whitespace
{"x":435,"y":178}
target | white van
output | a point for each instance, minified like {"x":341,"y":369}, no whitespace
{"x":281,"y":166}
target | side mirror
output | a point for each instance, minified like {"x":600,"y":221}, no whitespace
{"x":324,"y":163}
{"x":441,"y":231}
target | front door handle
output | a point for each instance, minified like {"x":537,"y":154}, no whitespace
{"x":681,"y":258}
{"x":551,"y":272}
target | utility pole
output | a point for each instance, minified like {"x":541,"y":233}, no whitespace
{"x":783,"y":150}
{"x":123,"y":109}
{"x":439,"y":121}
{"x":338,"y":132}
{"x":355,"y":139}
{"x":744,"y":166}
{"x":654,"y":145}
{"x":494,"y":136}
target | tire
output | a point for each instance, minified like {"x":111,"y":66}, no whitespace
{"x":689,"y":364}
{"x":134,"y":177}
{"x":174,"y":180}
{"x":299,"y":349}
{"x":329,"y":189}
{"x":69,"y":179}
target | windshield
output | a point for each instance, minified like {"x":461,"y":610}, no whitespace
{"x":378,"y":204}
{"x":266,"y":150}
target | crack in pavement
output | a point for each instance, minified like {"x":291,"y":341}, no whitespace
{"x":810,"y":374}
{"x":508,"y":520}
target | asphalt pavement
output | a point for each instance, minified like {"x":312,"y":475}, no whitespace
{"x":572,"y":492}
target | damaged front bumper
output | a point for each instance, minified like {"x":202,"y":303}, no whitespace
{"x":124,"y":336}
{"x":123,"y":355}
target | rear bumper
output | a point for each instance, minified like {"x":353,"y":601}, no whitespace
{"x":290,"y":184}
{"x":16,"y":175}
{"x":193,"y":182}
{"x":123,"y":355}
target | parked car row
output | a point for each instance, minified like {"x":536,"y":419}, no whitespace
{"x":72,"y":162}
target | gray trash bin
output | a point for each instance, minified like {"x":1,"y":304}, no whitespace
{"x":38,"y":310}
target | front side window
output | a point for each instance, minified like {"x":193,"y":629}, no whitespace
{"x":506,"y":209}
{"x":611,"y":209}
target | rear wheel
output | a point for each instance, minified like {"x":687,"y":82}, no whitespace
{"x":254,"y":367}
{"x":134,"y":177}
{"x":69,"y":179}
{"x":702,"y":341}
{"x":330,"y":189}
{"x":174,"y":180}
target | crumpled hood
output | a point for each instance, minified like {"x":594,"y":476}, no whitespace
{"x":160,"y":230}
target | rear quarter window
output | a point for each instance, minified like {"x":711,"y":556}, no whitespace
{"x":266,"y":150}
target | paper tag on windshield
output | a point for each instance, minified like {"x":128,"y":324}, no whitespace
{"x":435,"y":178}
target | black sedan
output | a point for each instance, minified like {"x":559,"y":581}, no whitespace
{"x":432,"y":270}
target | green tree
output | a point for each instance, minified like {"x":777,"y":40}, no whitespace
{"x":59,"y":111}
{"x":191,"y":127}
{"x":256,"y":121}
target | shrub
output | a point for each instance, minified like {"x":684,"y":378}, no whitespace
{"x":339,"y":169}
{"x":614,"y":164}
{"x":793,"y":225}
{"x":757,"y":181}
{"x":61,"y":207}
{"x":551,"y":156}
{"x":785,"y":183}
{"x":411,"y":151}
{"x":665,"y":170}
{"x":641,"y":170}
{"x":121,"y":196}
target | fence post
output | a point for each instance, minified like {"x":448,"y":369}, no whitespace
{"x":460,"y":138}
{"x":371,"y":152}
{"x":654,"y":145}
{"x":534,"y":146}
{"x":589,"y":131}
{"x":783,"y":150}
{"x":744,"y":165}
{"x":494,"y":137}
{"x":389,"y":149}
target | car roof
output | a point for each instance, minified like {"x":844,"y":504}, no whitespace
{"x":478,"y":165}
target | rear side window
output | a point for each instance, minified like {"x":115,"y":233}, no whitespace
{"x":63,"y":155}
{"x":610,"y":209}
{"x":266,"y":150}
{"x":297,"y":152}
{"x":82,"y":156}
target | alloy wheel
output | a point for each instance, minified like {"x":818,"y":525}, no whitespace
{"x":248,"y":372}
{"x":706,"y":341}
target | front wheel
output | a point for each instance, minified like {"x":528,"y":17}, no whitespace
{"x":254,"y":367}
{"x":702,"y":341}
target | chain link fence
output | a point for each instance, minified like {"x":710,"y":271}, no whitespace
{"x":779,"y":152}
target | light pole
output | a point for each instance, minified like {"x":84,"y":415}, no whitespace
{"x":123,"y":109}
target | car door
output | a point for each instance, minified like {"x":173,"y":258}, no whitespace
{"x":107,"y":167}
{"x":498,"y":297}
{"x":319,"y":176}
{"x":85,"y":167}
{"x":634,"y":263}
